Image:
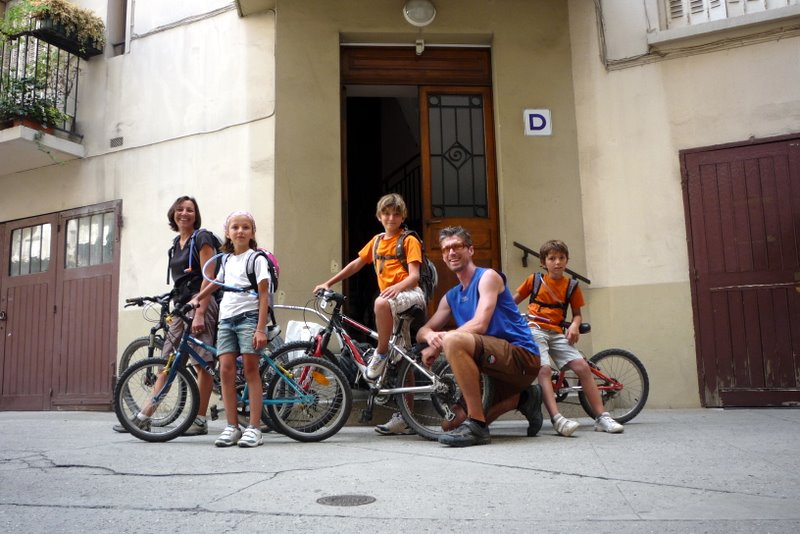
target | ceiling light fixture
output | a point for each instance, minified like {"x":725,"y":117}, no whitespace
{"x":419,"y":12}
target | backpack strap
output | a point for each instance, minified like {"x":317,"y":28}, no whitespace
{"x":400,"y":253}
{"x":538,"y":280}
{"x":250,"y":271}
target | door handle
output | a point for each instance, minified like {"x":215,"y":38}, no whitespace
{"x":433,"y":221}
{"x":3,"y":316}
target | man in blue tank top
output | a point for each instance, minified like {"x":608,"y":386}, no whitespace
{"x":491,"y":338}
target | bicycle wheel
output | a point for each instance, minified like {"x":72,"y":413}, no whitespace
{"x":139,"y":349}
{"x":425,"y":412}
{"x":173,"y":415}
{"x":622,"y":366}
{"x":330,"y":399}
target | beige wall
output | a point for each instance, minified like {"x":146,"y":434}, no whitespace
{"x":631,"y":125}
{"x":194,"y":102}
{"x":530,"y":59}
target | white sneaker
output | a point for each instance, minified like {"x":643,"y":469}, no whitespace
{"x":604,"y":423}
{"x":376,"y":364}
{"x":230,"y":436}
{"x":251,"y":437}
{"x":396,"y":425}
{"x":565,"y":427}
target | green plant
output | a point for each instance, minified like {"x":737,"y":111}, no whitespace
{"x":25,"y":98}
{"x":78,"y":23}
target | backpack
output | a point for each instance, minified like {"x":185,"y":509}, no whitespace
{"x":564,"y":306}
{"x":428,"y":277}
{"x":250,"y":271}
{"x":185,"y":292}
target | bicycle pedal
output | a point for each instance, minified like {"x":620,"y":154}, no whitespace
{"x":214,"y":413}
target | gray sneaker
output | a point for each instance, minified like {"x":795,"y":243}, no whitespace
{"x":230,"y":436}
{"x":530,"y":405}
{"x":604,"y":423}
{"x":198,"y":428}
{"x":467,"y":434}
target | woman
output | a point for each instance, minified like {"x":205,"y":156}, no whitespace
{"x":190,"y":250}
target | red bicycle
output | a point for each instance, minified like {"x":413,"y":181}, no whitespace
{"x":619,"y":374}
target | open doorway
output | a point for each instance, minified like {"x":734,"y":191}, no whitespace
{"x":383,"y":156}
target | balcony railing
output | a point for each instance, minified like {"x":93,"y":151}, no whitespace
{"x":39,"y":79}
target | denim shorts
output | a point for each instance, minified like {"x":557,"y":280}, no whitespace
{"x":235,"y":334}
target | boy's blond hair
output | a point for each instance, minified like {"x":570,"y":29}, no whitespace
{"x":554,"y":245}
{"x":392,"y":202}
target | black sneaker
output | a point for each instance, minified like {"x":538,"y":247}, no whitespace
{"x":530,"y":405}
{"x":467,"y":434}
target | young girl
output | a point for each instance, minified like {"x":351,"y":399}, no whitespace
{"x":242,"y":327}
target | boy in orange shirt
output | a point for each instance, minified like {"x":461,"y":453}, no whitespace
{"x":550,"y":304}
{"x":399,"y":288}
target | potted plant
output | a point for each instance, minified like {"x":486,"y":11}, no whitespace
{"x":23,"y":102}
{"x":58,"y":22}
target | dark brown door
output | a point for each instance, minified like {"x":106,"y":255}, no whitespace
{"x":458,"y":169}
{"x":28,"y":288}
{"x":743,"y":206}
{"x":447,"y":175}
{"x":58,"y":318}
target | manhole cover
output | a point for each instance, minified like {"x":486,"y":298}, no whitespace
{"x":346,"y":500}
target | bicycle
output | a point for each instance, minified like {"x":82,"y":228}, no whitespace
{"x":151,"y":345}
{"x":306,"y":399}
{"x":424,"y":396}
{"x":620,"y":376}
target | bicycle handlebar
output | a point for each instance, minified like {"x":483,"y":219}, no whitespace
{"x":329,"y":294}
{"x":584,"y":328}
{"x":141,"y":301}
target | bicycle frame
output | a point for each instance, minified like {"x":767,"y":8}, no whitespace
{"x":559,"y":381}
{"x":336,"y":324}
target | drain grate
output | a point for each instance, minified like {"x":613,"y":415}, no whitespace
{"x":346,"y":500}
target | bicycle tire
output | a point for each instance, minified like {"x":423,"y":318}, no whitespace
{"x":424,"y":412}
{"x":139,"y":349}
{"x":320,"y":419}
{"x":623,"y":366}
{"x":176,"y":411}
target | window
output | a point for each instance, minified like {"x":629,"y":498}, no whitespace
{"x":90,"y":240}
{"x":681,"y":13}
{"x":30,"y":250}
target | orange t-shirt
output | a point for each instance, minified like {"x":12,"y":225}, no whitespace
{"x":392,"y":272}
{"x":556,"y":295}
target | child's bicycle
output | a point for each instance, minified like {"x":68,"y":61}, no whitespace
{"x":619,"y":375}
{"x":424,"y":396}
{"x":306,"y":399}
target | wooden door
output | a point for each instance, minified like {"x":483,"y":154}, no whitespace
{"x":27,"y":302}
{"x":743,"y":222}
{"x":458,"y":170}
{"x":58,"y":309}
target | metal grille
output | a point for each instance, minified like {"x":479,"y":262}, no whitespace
{"x":458,"y":156}
{"x":39,"y":81}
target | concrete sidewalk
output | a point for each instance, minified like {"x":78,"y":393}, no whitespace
{"x":671,"y":471}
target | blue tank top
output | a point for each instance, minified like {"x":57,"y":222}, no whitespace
{"x":506,"y":323}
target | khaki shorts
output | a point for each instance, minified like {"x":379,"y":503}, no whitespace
{"x":505,"y":362}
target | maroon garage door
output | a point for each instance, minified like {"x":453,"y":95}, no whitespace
{"x":743,"y":222}
{"x":58,"y":318}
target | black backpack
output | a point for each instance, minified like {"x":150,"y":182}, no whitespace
{"x":564,"y":306}
{"x":187,"y":289}
{"x":428,"y":277}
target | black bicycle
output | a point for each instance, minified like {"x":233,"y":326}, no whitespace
{"x":156,"y":310}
